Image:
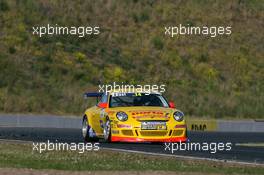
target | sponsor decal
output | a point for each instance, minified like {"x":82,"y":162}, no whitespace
{"x":202,"y":125}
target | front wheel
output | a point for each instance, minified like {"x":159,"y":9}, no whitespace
{"x":87,"y":132}
{"x":107,"y":131}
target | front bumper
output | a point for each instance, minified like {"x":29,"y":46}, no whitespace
{"x":131,"y":131}
{"x":138,"y":135}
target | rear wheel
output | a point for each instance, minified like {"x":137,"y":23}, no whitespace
{"x":87,"y":131}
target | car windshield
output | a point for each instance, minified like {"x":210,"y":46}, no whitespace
{"x":137,"y":99}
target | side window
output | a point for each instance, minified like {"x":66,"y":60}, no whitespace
{"x":104,"y":98}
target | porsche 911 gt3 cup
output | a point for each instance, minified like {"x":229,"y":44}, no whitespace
{"x":133,"y":117}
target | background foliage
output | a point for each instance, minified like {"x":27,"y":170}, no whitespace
{"x":216,"y":77}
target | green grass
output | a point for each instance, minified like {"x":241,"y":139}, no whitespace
{"x":21,"y":156}
{"x":204,"y":76}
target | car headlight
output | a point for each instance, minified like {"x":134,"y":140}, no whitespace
{"x":178,"y":116}
{"x":122,"y":116}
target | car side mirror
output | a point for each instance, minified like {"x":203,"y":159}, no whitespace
{"x":102,"y":105}
{"x":171,"y":105}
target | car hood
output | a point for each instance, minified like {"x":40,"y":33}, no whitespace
{"x":145,"y":113}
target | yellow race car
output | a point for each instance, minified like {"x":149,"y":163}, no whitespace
{"x":133,"y":117}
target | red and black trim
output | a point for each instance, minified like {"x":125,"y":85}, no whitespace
{"x":135,"y":139}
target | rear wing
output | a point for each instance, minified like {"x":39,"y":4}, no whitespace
{"x":97,"y":95}
{"x":92,"y":94}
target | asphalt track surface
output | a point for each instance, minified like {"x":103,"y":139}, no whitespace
{"x":237,"y":153}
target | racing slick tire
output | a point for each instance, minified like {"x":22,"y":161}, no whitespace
{"x":86,"y":131}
